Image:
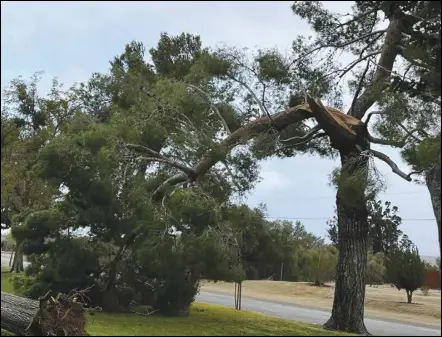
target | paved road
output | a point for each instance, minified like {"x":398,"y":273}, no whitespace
{"x":376,"y":327}
{"x":6,"y":257}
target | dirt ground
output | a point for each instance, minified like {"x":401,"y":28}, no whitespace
{"x":382,"y":302}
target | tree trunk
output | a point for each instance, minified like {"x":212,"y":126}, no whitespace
{"x":348,"y":304}
{"x":17,"y":263}
{"x":10,"y":259}
{"x":432,"y":179}
{"x":110,"y":298}
{"x":409,"y":296}
{"x":26,"y":317}
{"x":238,"y":295}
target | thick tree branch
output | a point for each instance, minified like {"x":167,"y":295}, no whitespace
{"x":382,"y":73}
{"x":386,"y":159}
{"x":336,"y":129}
{"x":360,"y":85}
{"x":278,"y":122}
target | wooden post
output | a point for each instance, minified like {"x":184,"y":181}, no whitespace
{"x":240,"y":295}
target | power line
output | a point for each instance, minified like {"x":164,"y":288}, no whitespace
{"x":334,"y":196}
{"x":311,"y":218}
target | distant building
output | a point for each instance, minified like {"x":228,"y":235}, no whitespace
{"x":433,"y":279}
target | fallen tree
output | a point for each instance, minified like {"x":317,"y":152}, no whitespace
{"x":49,"y":316}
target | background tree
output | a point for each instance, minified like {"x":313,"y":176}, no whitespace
{"x":384,"y":222}
{"x":405,"y":268}
{"x":321,"y":264}
{"x":28,"y":123}
{"x":376,"y":269}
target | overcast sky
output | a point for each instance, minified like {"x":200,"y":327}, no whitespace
{"x":71,"y":40}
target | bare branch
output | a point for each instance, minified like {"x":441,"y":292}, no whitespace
{"x":213,"y":106}
{"x":341,"y":45}
{"x":359,"y":38}
{"x":386,"y":159}
{"x":380,"y":141}
{"x":144,"y":149}
{"x":356,"y":62}
{"x":372,"y":114}
{"x":404,"y":75}
{"x":256,"y":99}
{"x":409,"y":134}
{"x":231,"y":175}
{"x":172,"y":163}
{"x":314,"y":130}
{"x":144,"y":314}
{"x":158,"y":157}
{"x":416,"y":172}
{"x":318,"y":135}
{"x":360,"y":16}
{"x":360,"y":84}
{"x":175,"y":179}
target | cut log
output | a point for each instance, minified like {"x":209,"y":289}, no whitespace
{"x":59,"y":316}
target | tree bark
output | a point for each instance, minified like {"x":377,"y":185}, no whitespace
{"x":409,"y":296}
{"x":17,"y":263}
{"x":10,"y":259}
{"x":432,"y":179}
{"x":26,"y":317}
{"x":348,"y":304}
{"x":238,"y":295}
{"x":110,"y":298}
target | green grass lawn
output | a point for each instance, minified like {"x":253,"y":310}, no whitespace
{"x":204,"y":320}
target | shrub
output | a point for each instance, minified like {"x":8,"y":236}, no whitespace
{"x":425,"y":290}
{"x":406,"y":269}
